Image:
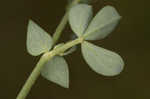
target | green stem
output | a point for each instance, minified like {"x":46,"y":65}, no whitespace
{"x":32,"y":78}
{"x":60,"y":28}
{"x":63,"y":23}
{"x":36,"y":72}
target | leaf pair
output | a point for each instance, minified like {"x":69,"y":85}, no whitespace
{"x":38,"y":42}
{"x":99,"y":59}
{"x":99,"y":27}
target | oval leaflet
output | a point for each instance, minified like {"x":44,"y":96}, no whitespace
{"x":102,"y":61}
{"x":38,"y":41}
{"x":56,"y":70}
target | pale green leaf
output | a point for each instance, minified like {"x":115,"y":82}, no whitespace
{"x":103,"y":23}
{"x":79,"y":17}
{"x":102,"y":61}
{"x":38,"y":41}
{"x":56,"y":70}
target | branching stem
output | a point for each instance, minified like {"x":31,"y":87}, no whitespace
{"x":48,"y":55}
{"x":37,"y":70}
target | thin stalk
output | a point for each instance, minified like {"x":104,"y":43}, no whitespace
{"x":32,"y":78}
{"x":60,"y":28}
{"x":63,"y":23}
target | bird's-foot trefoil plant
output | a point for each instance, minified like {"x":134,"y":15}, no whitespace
{"x":52,"y":64}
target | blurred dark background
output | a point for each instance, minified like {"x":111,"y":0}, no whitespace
{"x":131,"y":40}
